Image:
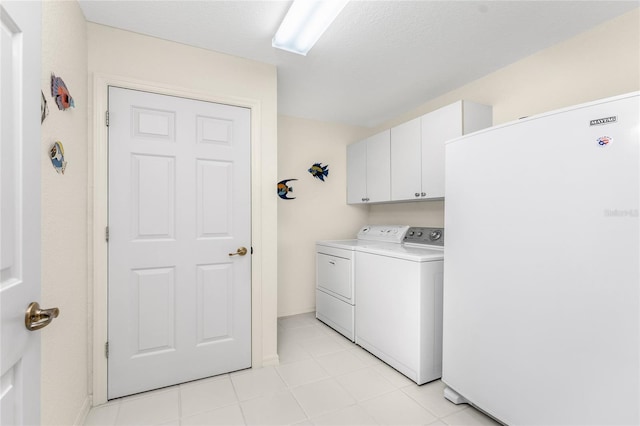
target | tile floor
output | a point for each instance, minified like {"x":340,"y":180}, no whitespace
{"x":322,"y":379}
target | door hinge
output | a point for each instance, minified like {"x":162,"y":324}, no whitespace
{"x":251,"y":249}
{"x":107,"y":118}
{"x":106,"y":234}
{"x":106,"y":350}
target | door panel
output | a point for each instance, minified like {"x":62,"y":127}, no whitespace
{"x":153,"y":198}
{"x":214,"y":179}
{"x":154,"y":291}
{"x":20,"y":210}
{"x":179,"y":205}
{"x":215,"y":297}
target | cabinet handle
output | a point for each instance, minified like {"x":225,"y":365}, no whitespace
{"x":417,"y":194}
{"x":364,"y":199}
{"x":424,"y":194}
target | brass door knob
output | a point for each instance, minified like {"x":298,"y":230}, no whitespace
{"x":241,"y":252}
{"x":36,"y":318}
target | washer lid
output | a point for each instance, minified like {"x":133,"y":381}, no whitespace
{"x":355,"y":244}
{"x":341,"y":244}
{"x":405,"y":252}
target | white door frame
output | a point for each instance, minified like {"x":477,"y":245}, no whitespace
{"x":97,"y":216}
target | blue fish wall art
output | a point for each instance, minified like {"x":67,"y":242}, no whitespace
{"x":57,"y":157}
{"x":319,"y":171}
{"x":284,"y":189}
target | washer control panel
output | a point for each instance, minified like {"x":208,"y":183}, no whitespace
{"x":425,"y":235}
{"x":388,"y":233}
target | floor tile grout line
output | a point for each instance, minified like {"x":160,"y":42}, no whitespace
{"x":299,"y":405}
{"x":462,"y":406}
{"x":179,"y":404}
{"x":235,"y":391}
{"x":291,"y":388}
{"x":301,"y":384}
{"x":224,"y":405}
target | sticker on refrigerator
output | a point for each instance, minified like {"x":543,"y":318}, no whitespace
{"x":604,"y":140}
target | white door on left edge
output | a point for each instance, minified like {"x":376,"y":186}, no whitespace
{"x":179,"y":207}
{"x":20,"y":154}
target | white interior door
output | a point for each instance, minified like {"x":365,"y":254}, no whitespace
{"x":179,"y":207}
{"x":20,"y":210}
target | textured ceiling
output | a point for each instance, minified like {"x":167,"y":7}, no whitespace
{"x":378,"y":59}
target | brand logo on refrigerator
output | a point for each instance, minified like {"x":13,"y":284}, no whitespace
{"x":605,"y":120}
{"x":604,"y":140}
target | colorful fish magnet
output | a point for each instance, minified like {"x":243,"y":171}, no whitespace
{"x":284,"y":189}
{"x":319,"y":171}
{"x":44,"y":108}
{"x":60,"y":93}
{"x":57,"y":157}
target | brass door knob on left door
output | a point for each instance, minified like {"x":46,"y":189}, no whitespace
{"x":36,"y":318}
{"x":241,"y":252}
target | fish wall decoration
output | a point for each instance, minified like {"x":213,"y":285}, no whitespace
{"x":284,"y":189}
{"x":61,"y":94}
{"x":319,"y":171}
{"x":57,"y":157}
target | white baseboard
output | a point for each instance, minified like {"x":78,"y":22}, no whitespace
{"x":84,"y":411}
{"x":271,"y":360}
{"x":297,"y":312}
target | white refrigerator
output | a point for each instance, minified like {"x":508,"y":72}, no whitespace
{"x":541,"y":273}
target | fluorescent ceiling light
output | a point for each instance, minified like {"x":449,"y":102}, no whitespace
{"x":304,"y":23}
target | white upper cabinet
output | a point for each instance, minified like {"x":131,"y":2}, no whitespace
{"x":369,"y":170}
{"x":406,"y":167}
{"x":357,"y":172}
{"x":406,"y":163}
{"x":417,"y":148}
{"x":438,"y":127}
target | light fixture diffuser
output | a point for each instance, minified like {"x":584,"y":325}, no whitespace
{"x":304,"y":23}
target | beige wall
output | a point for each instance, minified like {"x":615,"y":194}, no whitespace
{"x":64,"y":219}
{"x":319,"y":210}
{"x":122,"y":55}
{"x":602,"y":62}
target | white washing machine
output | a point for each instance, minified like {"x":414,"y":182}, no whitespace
{"x":335,"y":274}
{"x":399,"y":311}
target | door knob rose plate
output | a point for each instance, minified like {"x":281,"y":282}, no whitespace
{"x":36,"y":318}
{"x":240,"y":252}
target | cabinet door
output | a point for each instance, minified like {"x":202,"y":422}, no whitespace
{"x":357,"y":172}
{"x":475,"y":117}
{"x":406,"y":152}
{"x":438,"y":127}
{"x":379,"y":167}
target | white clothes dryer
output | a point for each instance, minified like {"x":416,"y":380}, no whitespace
{"x":399,"y":310}
{"x":335,"y":274}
